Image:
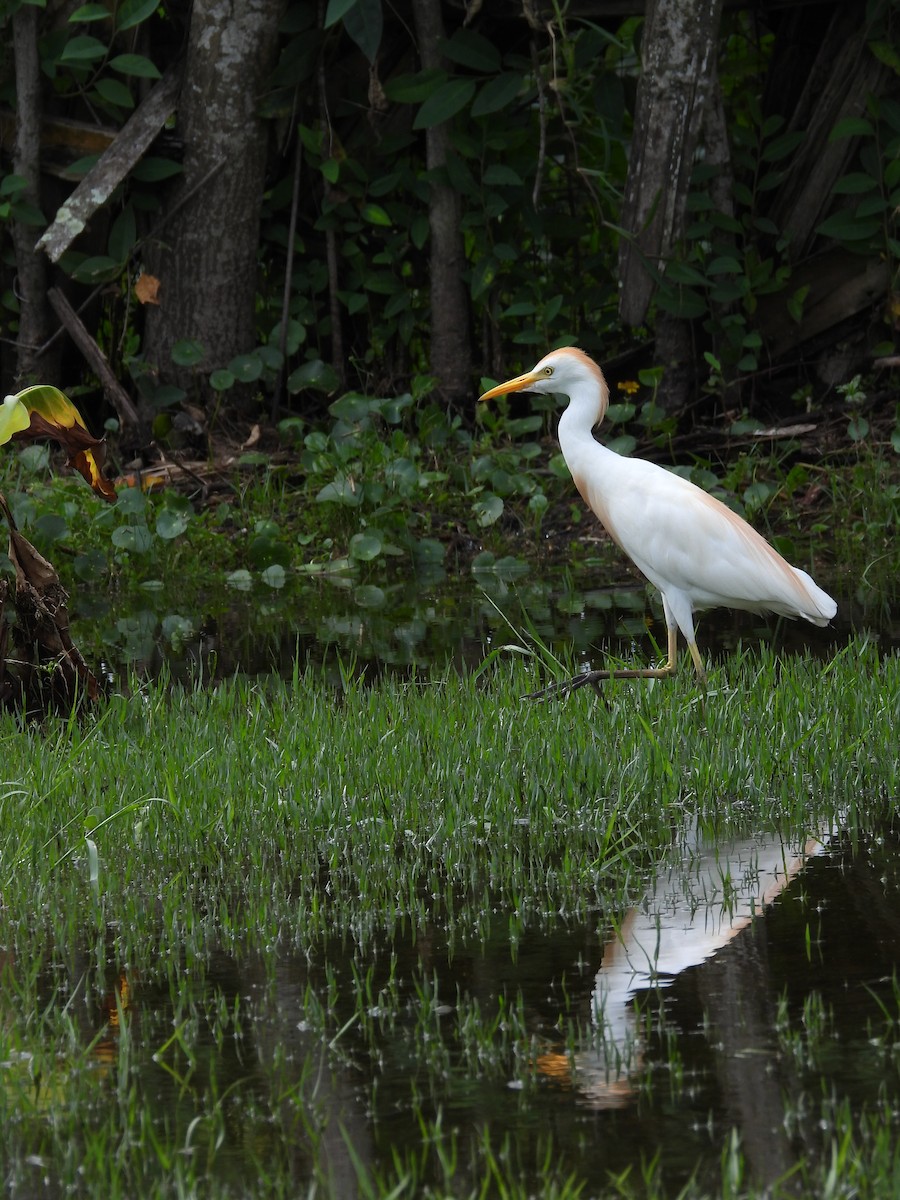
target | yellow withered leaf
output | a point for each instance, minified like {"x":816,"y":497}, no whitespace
{"x":52,"y":415}
{"x":14,"y":417}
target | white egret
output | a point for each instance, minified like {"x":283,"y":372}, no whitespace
{"x":693,"y":548}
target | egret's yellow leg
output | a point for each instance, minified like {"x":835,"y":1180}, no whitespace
{"x":594,"y":677}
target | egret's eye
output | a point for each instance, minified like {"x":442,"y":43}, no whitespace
{"x":548,"y":370}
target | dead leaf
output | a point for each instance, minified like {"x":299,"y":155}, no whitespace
{"x":147,"y":288}
{"x":54,"y":416}
{"x":31,"y":567}
{"x":252,"y":438}
{"x":46,"y":671}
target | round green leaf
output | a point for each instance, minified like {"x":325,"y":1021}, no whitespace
{"x":241,"y":581}
{"x":296,"y":336}
{"x":369,"y":596}
{"x":316,"y":374}
{"x":271,"y":357}
{"x":274,"y":576}
{"x":351,"y":407}
{"x":136,"y":539}
{"x":171,"y":524}
{"x":131,"y":502}
{"x":52,"y":527}
{"x":488,"y":508}
{"x":624,"y":444}
{"x":429,"y":550}
{"x":340,"y":491}
{"x":246,"y":368}
{"x":176,"y":629}
{"x":365,"y":546}
{"x":264,"y":551}
{"x":187,"y":353}
{"x":90,"y":565}
{"x":617,"y":413}
{"x":221,"y":380}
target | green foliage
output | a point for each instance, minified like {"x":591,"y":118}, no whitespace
{"x":855,"y":397}
{"x":868,"y":197}
{"x":95,"y":76}
{"x":373,"y":194}
{"x":382,"y":481}
{"x":731,"y":259}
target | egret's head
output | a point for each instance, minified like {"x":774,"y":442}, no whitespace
{"x":569,"y":372}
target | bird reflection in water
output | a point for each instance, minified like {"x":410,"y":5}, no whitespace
{"x":690,"y":912}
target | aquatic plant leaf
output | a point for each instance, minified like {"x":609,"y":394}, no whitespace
{"x":52,"y":415}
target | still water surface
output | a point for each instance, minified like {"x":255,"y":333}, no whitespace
{"x":429,"y":621}
{"x":753,"y":986}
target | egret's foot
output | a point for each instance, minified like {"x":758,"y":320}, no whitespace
{"x":566,"y":686}
{"x":593,"y":678}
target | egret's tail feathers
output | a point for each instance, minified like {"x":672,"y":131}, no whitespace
{"x":821,"y":606}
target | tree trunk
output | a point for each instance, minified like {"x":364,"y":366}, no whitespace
{"x":206,"y":256}
{"x":451,"y":343}
{"x":31,"y":267}
{"x":679,"y":55}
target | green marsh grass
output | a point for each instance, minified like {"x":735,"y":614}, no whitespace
{"x":226,"y":915}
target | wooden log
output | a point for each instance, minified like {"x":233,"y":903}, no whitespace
{"x":843,"y":76}
{"x":841,"y":285}
{"x":113,"y":165}
{"x":63,"y":141}
{"x":115,"y":393}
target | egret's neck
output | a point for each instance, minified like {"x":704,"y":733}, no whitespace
{"x":588,"y":401}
